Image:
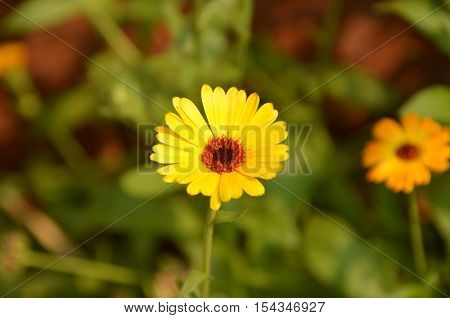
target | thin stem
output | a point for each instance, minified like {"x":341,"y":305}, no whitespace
{"x":416,"y":234}
{"x":81,"y":267}
{"x":328,"y":32}
{"x":111,"y":32}
{"x":207,"y":250}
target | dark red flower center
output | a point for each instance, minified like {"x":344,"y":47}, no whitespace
{"x":223,"y":154}
{"x":407,"y":152}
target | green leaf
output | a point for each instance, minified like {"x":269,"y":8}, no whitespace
{"x":360,"y":90}
{"x":43,"y":13}
{"x":432,"y":22}
{"x":339,"y":259}
{"x":229,"y":216}
{"x":437,"y":194}
{"x":192,"y":282}
{"x":144,"y":185}
{"x":431,"y":102}
{"x":70,"y":110}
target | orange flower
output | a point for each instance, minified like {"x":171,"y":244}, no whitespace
{"x":404,"y":154}
{"x":13,"y":55}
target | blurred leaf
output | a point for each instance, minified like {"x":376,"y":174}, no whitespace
{"x":294,"y":82}
{"x":70,"y":110}
{"x":431,"y":102}
{"x":143,"y":10}
{"x":229,"y":216}
{"x":45,"y":13}
{"x":272,"y":225}
{"x":340,"y":260}
{"x":192,"y":282}
{"x":423,"y":14}
{"x":437,"y":194}
{"x":143,"y":185}
{"x":360,"y":90}
{"x":122,"y":96}
{"x":50,"y":182}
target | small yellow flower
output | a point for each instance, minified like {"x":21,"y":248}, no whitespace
{"x":223,"y":156}
{"x":404,"y":154}
{"x":13,"y":55}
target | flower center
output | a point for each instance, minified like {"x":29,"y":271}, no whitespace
{"x":407,"y":152}
{"x":223,"y":154}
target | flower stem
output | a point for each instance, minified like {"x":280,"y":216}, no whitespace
{"x":111,"y":32}
{"x":416,"y":234}
{"x":80,"y":267}
{"x":207,"y":250}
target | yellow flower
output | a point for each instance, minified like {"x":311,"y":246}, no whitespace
{"x":404,"y":154}
{"x":223,"y":156}
{"x":13,"y":55}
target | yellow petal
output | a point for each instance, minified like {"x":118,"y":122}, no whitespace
{"x":210,"y":184}
{"x":229,"y":187}
{"x":237,"y":103}
{"x":236,"y":191}
{"x":278,"y":153}
{"x":173,"y":174}
{"x":195,"y":186}
{"x":383,"y":171}
{"x":167,"y":154}
{"x":271,"y":151}
{"x":264,"y":170}
{"x":215,"y":201}
{"x":411,"y":125}
{"x":179,"y":127}
{"x":250,"y":185}
{"x":208,"y":105}
{"x":265,"y":116}
{"x":256,"y":137}
{"x":387,"y":129}
{"x":190,"y":177}
{"x":437,"y":159}
{"x":169,"y":169}
{"x":221,"y":110}
{"x":421,"y":174}
{"x":374,"y":152}
{"x":231,"y":97}
{"x":276,"y":132}
{"x":167,"y":136}
{"x":190,"y":114}
{"x":225,"y":187}
{"x":249,"y":109}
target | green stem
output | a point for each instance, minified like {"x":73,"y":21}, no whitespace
{"x":207,"y":250}
{"x":81,"y":267}
{"x":327,"y":34}
{"x":111,"y":32}
{"x":416,"y":234}
{"x":28,"y":101}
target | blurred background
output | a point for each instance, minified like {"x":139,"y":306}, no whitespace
{"x":78,"y":76}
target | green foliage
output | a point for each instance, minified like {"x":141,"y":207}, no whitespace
{"x":191,"y":283}
{"x":77,"y":163}
{"x":433,"y":102}
{"x":430,"y":17}
{"x":340,"y":259}
{"x":360,"y":90}
{"x":40,"y":13}
{"x":143,"y":185}
{"x":440,"y":204}
{"x":229,"y":216}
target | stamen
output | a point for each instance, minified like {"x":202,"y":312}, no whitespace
{"x":223,"y":154}
{"x":408,"y":152}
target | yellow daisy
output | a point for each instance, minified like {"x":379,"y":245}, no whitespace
{"x":225,"y":155}
{"x":404,"y":154}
